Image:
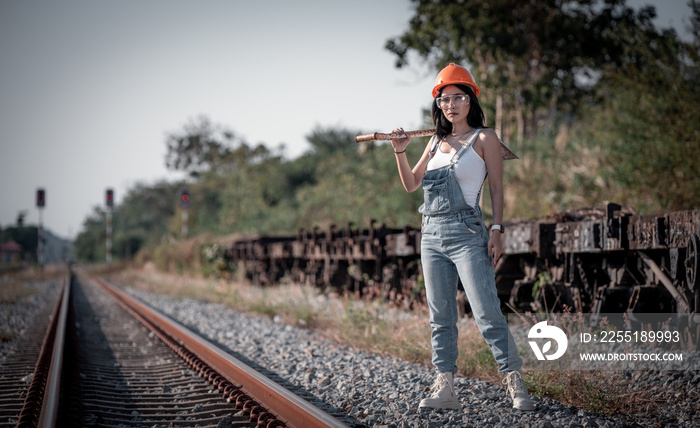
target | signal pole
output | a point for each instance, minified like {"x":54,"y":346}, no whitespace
{"x":109,"y":201}
{"x":40,"y":203}
{"x":184,"y":204}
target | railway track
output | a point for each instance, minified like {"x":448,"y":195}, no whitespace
{"x":106,"y":360}
{"x":17,"y":369}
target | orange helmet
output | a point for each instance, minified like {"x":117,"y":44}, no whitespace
{"x":453,"y":74}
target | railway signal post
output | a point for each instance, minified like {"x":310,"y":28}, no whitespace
{"x":40,"y":203}
{"x":184,"y":205}
{"x":109,"y":202}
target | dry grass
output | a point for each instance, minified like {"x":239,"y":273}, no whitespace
{"x":369,"y":326}
{"x":12,"y":290}
{"x":18,"y":284}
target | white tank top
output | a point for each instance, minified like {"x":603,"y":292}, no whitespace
{"x":470,"y":172}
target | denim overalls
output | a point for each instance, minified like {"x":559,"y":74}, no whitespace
{"x":454,"y":245}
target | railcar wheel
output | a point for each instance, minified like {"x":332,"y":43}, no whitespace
{"x":691,"y":261}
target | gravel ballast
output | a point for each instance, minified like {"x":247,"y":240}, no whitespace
{"x":18,"y":315}
{"x":376,"y":390}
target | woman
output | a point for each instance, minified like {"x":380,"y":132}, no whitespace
{"x":455,"y":243}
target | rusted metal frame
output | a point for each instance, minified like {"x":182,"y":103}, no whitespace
{"x":287,"y":407}
{"x":680,"y":225}
{"x":683,"y":306}
{"x":666,"y":231}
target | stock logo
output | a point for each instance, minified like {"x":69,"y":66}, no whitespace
{"x":543,"y":331}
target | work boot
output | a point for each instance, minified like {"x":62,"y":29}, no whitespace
{"x":515,"y":386}
{"x":443,"y":393}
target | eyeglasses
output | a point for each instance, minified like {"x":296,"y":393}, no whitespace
{"x":456,"y":100}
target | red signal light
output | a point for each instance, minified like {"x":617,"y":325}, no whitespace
{"x":184,"y":198}
{"x":109,"y":198}
{"x":40,"y":198}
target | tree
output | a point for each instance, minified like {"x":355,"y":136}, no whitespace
{"x":534,"y":60}
{"x":200,"y":147}
{"x":89,"y":245}
{"x":145,"y":216}
{"x":605,"y":101}
{"x":26,"y":236}
{"x":332,"y":142}
{"x":647,"y":122}
{"x":694,"y":27}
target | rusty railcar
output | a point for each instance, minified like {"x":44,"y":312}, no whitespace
{"x":592,"y":260}
{"x":363,"y":261}
{"x":603,"y":261}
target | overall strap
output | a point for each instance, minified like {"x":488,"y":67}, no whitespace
{"x":434,"y":141}
{"x":472,"y":137}
{"x":478,"y":201}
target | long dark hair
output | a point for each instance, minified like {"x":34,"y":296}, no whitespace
{"x":475,"y":117}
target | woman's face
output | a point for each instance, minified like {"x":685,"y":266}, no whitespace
{"x":454,"y":104}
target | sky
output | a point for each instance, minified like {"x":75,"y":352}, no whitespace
{"x":90,"y":89}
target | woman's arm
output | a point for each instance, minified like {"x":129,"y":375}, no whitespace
{"x":410,"y":178}
{"x":491,"y":146}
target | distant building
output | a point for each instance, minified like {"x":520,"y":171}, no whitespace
{"x":10,"y":252}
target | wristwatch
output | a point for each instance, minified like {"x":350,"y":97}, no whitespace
{"x":498,"y":227}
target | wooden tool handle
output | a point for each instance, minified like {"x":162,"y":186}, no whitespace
{"x":506,"y":152}
{"x":378,"y":136}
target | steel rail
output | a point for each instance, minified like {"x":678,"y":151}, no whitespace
{"x":289,"y":408}
{"x":42,"y":402}
{"x":49,"y":408}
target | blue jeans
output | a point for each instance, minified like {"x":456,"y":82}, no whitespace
{"x":455,"y":246}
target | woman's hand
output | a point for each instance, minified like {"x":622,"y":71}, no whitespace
{"x":400,"y":144}
{"x":495,"y":248}
{"x":410,"y":178}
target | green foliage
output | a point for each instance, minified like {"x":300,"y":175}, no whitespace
{"x":532,"y":56}
{"x":214,"y":262}
{"x":337,"y":182}
{"x":202,"y":255}
{"x":646,"y":125}
{"x":598,"y":391}
{"x":543,"y":279}
{"x":555,"y":172}
{"x":200,"y":147}
{"x":26,"y":236}
{"x":90,"y":243}
{"x":358,"y":187}
{"x":144,"y":218}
